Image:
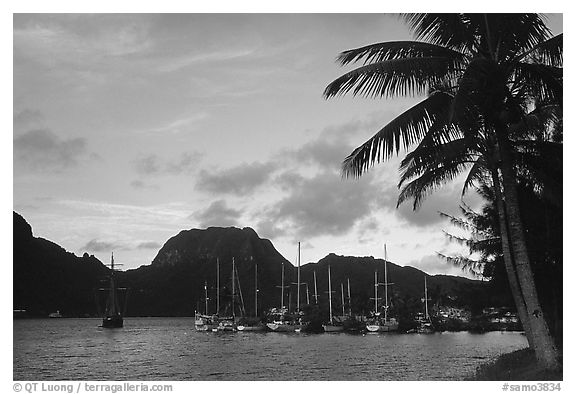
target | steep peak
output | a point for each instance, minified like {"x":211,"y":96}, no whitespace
{"x":22,"y":230}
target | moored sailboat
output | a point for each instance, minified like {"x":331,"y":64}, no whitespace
{"x":424,"y":322}
{"x":331,"y":326}
{"x":113,"y":316}
{"x":254,"y":324}
{"x":379,"y":323}
{"x":280,"y":319}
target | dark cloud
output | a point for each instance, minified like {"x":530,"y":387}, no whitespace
{"x":324,"y":204}
{"x":217,"y":214}
{"x":269,"y":229}
{"x":96,"y":245}
{"x":240,"y":181}
{"x":154,"y":165}
{"x":336,"y":142}
{"x":138,"y":184}
{"x":27,"y":117}
{"x":42,"y":150}
{"x":148,"y":245}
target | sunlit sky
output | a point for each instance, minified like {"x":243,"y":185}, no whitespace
{"x":130,"y":128}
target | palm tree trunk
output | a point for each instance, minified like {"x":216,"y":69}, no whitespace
{"x":544,"y":348}
{"x":508,"y":260}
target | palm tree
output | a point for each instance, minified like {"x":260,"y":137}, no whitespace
{"x":482,"y":74}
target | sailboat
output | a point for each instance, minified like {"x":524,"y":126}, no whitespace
{"x":259,"y":326}
{"x":424,"y":322}
{"x":228,"y":323}
{"x":112,"y":315}
{"x":204,"y":322}
{"x":379,"y":323}
{"x":331,"y":326}
{"x":281,"y":321}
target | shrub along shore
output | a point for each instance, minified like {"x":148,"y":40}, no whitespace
{"x":516,"y":366}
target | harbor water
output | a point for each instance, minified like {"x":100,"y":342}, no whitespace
{"x":171,"y":349}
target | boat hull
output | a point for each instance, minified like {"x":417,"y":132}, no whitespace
{"x":251,"y":328}
{"x":278,"y":327}
{"x":113,"y":322}
{"x":332,"y":328}
{"x":382,"y":327}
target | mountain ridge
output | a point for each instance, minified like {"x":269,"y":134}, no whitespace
{"x":173,"y":283}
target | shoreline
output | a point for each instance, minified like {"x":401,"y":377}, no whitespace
{"x":519,"y":365}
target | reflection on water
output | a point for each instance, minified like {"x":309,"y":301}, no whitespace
{"x":170,"y":349}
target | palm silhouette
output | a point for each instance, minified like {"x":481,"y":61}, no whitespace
{"x":483,"y":73}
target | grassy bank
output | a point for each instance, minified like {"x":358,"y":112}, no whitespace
{"x":516,"y":366}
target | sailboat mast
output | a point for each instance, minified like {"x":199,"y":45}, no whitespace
{"x":426,"y":297}
{"x":315,"y":289}
{"x":217,"y":285}
{"x":112,"y":288}
{"x":342,"y":292}
{"x":330,"y":293}
{"x":385,"y":284}
{"x":376,"y":291}
{"x":298,"y":294}
{"x":282,"y":288}
{"x":233,"y":288}
{"x":349,"y":299}
{"x":256,"y":290}
{"x":206,"y":296}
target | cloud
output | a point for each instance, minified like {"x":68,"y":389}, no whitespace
{"x":141,"y":185}
{"x":44,"y":151}
{"x":434,"y":265}
{"x":241,"y":180}
{"x":27,"y":117}
{"x":96,"y":245}
{"x":149,"y":245}
{"x":179,"y":125}
{"x":217,"y":214}
{"x":324,"y":205}
{"x":154,"y":165}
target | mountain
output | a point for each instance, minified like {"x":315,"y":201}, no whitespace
{"x":48,"y":278}
{"x":174,"y":283}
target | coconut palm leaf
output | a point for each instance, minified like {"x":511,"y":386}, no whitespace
{"x":455,"y":31}
{"x":383,"y":51}
{"x":402,"y":132}
{"x":549,"y":52}
{"x":396,"y":77}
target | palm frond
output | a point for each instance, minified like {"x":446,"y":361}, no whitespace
{"x":383,"y":51}
{"x":454,"y":31}
{"x":422,"y":186}
{"x":396,"y":77}
{"x":544,"y":82}
{"x":405,"y":130}
{"x":549,"y":52}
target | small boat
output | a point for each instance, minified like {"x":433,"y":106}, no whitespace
{"x":280,"y":320}
{"x":113,"y":315}
{"x":377,"y":322}
{"x":331,"y":326}
{"x":252,"y":324}
{"x":204,"y":322}
{"x":425,"y":325}
{"x":55,"y":315}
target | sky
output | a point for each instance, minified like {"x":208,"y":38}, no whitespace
{"x":128,"y":128}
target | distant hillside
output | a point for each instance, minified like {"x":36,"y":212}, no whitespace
{"x":48,"y":278}
{"x":174,"y":283}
